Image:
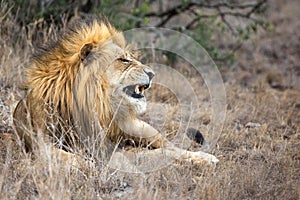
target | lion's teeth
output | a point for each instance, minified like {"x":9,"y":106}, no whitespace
{"x":142,"y":89}
{"x":137,"y":89}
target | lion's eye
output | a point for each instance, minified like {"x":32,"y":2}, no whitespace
{"x":125,"y":60}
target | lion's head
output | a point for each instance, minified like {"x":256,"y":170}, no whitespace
{"x":119,"y":73}
{"x":87,"y":75}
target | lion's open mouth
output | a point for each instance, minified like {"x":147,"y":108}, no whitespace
{"x":136,"y":91}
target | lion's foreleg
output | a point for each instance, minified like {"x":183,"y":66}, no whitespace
{"x":141,"y":129}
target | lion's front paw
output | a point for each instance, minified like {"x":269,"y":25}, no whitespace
{"x":213,"y":159}
{"x":200,"y":157}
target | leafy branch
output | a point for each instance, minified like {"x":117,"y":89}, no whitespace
{"x":218,"y":9}
{"x":203,"y":20}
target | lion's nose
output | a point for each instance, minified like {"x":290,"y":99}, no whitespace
{"x":150,"y":73}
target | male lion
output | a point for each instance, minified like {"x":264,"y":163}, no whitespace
{"x":88,"y":77}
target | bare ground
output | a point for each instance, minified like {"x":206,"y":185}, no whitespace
{"x":256,"y":162}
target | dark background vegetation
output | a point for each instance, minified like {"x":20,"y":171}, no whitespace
{"x":256,"y":45}
{"x":199,"y":19}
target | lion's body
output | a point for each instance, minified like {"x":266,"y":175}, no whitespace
{"x":85,"y":79}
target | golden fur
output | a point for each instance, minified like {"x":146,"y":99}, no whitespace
{"x":81,"y":85}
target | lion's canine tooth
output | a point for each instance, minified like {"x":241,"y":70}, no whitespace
{"x":142,"y":89}
{"x":137,"y":89}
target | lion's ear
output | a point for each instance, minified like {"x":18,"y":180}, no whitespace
{"x":85,"y":50}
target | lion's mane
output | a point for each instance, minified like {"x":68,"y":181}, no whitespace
{"x":53,"y":80}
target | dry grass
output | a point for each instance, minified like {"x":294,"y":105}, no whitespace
{"x":255,"y":162}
